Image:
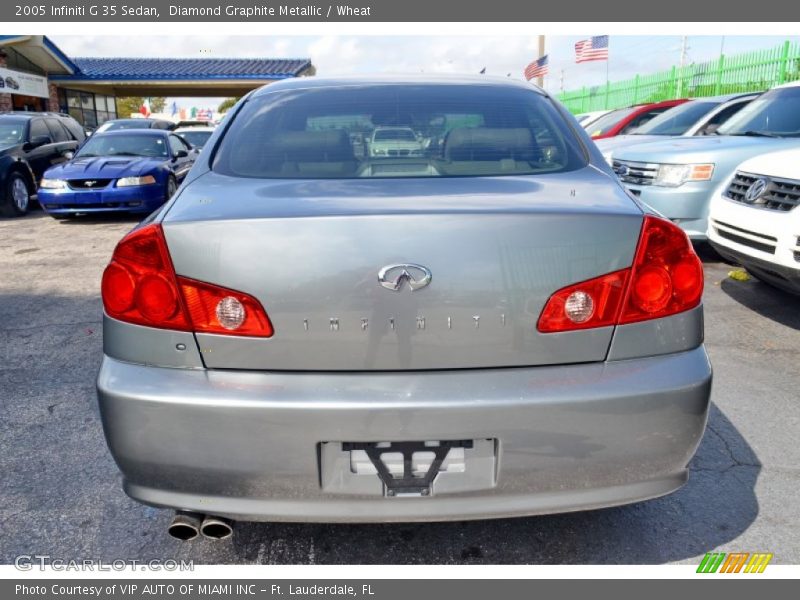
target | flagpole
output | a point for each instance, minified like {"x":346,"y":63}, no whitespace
{"x":608,"y":60}
{"x":540,"y":79}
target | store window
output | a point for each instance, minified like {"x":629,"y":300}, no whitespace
{"x":88,"y":109}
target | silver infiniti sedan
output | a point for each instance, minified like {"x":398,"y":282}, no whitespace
{"x":309,"y":332}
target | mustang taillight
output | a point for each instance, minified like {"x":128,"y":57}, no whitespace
{"x":666,"y":278}
{"x":140,"y":286}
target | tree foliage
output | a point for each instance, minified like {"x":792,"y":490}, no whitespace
{"x":227,"y":104}
{"x":131,"y":104}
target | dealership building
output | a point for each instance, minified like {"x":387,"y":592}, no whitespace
{"x":36,"y":75}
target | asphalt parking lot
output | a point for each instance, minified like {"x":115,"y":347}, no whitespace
{"x":60,"y":492}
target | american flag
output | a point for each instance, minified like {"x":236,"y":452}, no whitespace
{"x":595,"y":48}
{"x":538,"y":68}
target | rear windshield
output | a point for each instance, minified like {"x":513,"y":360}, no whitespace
{"x":398,"y":131}
{"x":132,"y":124}
{"x":607,"y":122}
{"x":196,"y":138}
{"x":677,"y":120}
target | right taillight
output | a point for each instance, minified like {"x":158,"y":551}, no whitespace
{"x":666,"y":278}
{"x":140,"y":286}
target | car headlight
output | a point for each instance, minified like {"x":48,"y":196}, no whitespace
{"x":131,"y":181}
{"x":675,"y":175}
{"x":53,"y":184}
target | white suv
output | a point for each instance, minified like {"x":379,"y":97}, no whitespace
{"x":395,"y":142}
{"x":754,"y":219}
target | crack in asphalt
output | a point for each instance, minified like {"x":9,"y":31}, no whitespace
{"x":729,"y":451}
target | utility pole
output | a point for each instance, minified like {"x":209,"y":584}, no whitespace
{"x":682,"y":63}
{"x":540,"y":79}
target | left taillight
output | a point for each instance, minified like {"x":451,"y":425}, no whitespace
{"x":666,"y":278}
{"x":140,"y":286}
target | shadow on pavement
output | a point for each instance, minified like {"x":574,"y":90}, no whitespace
{"x":706,"y":253}
{"x":84,"y":219}
{"x":767,"y":301}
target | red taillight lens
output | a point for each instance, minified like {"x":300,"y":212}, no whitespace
{"x":604,"y":294}
{"x":667,"y":275}
{"x":666,"y":278}
{"x":214,"y":309}
{"x":140,"y":286}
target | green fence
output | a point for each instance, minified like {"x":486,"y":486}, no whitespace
{"x":753,"y":71}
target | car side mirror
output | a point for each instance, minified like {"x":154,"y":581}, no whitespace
{"x":37,"y":141}
{"x":711,"y":128}
{"x":69,"y":155}
{"x":181,"y":154}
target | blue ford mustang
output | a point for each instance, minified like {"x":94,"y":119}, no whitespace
{"x":132,"y":171}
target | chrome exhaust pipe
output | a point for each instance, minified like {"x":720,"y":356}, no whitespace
{"x":216,"y":528}
{"x":185,"y":525}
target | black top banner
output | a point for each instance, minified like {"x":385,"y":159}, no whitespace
{"x":588,"y":11}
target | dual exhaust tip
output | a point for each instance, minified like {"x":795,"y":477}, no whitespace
{"x":186,"y":526}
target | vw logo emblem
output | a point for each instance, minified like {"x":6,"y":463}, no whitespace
{"x":392,"y":276}
{"x":622,"y":170}
{"x":753,"y":193}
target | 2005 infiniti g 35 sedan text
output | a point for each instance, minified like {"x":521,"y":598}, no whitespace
{"x":492,"y":327}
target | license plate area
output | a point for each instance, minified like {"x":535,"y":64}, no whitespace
{"x":408,"y":468}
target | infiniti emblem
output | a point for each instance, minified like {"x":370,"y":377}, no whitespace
{"x":754,"y":192}
{"x":392,"y":276}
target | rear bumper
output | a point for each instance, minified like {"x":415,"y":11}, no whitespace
{"x":246,"y":445}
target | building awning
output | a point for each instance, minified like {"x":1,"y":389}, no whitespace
{"x":178,"y":76}
{"x":41,"y":51}
{"x":155,"y":76}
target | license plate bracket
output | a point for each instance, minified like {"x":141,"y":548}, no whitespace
{"x":408,"y":484}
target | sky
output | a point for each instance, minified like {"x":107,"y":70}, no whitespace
{"x":500,"y":55}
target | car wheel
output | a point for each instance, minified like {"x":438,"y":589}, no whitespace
{"x":17,"y":196}
{"x":172,"y":187}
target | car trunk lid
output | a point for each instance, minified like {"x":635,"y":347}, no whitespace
{"x":311,"y":252}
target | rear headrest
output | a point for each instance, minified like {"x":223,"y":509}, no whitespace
{"x":311,"y":146}
{"x":489,"y":143}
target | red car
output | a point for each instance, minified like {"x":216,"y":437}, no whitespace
{"x":625,"y":120}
